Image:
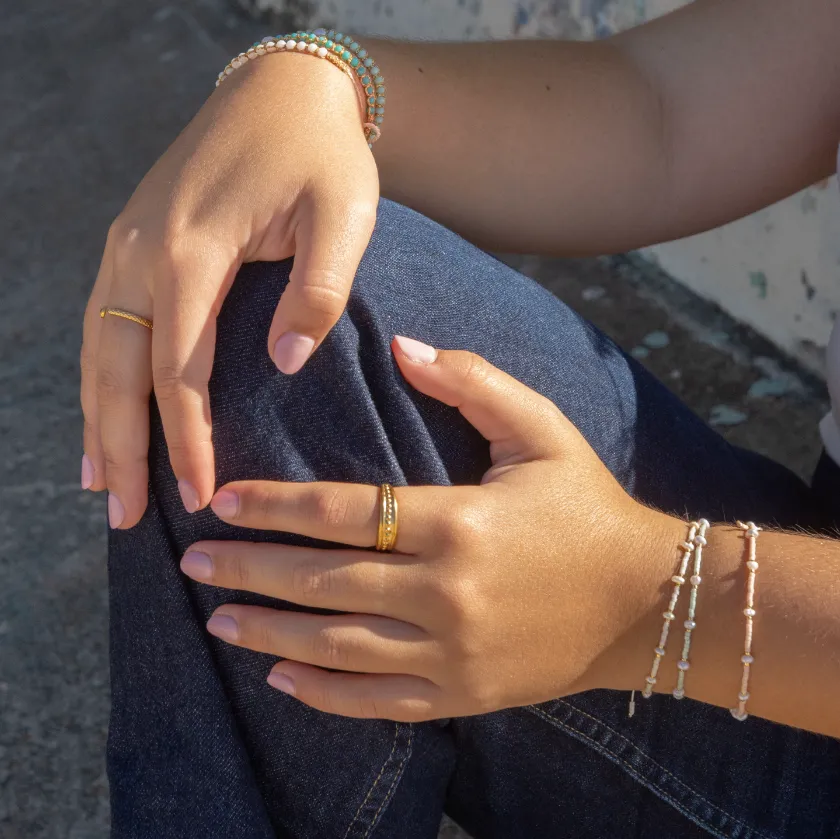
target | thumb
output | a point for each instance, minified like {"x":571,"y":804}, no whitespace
{"x":329,"y":244}
{"x":520,"y":424}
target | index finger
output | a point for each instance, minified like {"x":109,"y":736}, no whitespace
{"x":344,"y":513}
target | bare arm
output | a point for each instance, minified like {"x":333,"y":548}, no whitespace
{"x":796,"y":644}
{"x":672,"y":128}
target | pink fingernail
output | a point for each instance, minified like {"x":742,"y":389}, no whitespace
{"x":189,"y":496}
{"x":224,"y":627}
{"x":291,"y":351}
{"x":415,"y":350}
{"x":88,"y":472}
{"x":197,"y":565}
{"x":116,"y":511}
{"x":225,"y":504}
{"x":282,"y":682}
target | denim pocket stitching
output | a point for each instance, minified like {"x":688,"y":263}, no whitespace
{"x":375,"y":784}
{"x":636,"y":773}
{"x":399,"y":773}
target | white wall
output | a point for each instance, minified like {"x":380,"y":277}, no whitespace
{"x":778,"y":270}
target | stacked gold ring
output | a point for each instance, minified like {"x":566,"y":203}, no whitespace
{"x":386,"y":536}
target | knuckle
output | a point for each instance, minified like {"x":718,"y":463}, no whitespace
{"x":111,"y":386}
{"x":330,"y":507}
{"x":331,"y":649}
{"x":238,"y":572}
{"x":475,"y":370}
{"x":311,"y":581}
{"x":265,"y":635}
{"x":463,"y":524}
{"x":169,"y":381}
{"x":326,"y":298}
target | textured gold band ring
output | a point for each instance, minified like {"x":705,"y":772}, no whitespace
{"x":386,"y":536}
{"x":121,"y":313}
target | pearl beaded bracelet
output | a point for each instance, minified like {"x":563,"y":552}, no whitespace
{"x":341,"y":51}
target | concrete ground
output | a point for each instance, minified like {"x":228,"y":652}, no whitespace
{"x":91,"y":92}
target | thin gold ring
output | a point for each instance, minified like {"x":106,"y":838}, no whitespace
{"x":386,"y":535}
{"x":121,"y":313}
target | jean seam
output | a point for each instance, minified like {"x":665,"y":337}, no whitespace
{"x":377,"y":780}
{"x":398,"y":775}
{"x":642,"y":777}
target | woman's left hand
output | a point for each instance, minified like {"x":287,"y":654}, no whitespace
{"x":498,"y":595}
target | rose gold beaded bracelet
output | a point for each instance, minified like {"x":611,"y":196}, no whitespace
{"x":750,"y":536}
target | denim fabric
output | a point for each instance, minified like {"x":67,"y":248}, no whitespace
{"x":201,"y":746}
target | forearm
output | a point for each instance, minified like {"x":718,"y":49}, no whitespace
{"x":796,"y":642}
{"x":672,"y":128}
{"x":529,"y":146}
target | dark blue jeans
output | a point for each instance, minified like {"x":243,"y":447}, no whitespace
{"x":201,"y":747}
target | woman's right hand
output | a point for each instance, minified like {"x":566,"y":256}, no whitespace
{"x":275,"y":164}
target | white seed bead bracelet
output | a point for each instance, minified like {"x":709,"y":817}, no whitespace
{"x":678,"y":580}
{"x":683,"y":664}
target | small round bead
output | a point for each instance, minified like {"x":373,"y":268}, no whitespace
{"x":687,"y":546}
{"x":378,"y":79}
{"x":290,"y":44}
{"x":650,"y":680}
{"x":320,"y":32}
{"x":752,"y":565}
{"x":703,"y":523}
{"x":374,"y":70}
{"x":743,"y":697}
{"x":280,"y":45}
{"x":679,"y":693}
{"x":678,"y":579}
{"x":301,"y":46}
{"x":348,"y":40}
{"x":696,"y":579}
{"x":218,"y":82}
{"x":669,"y":616}
{"x":379,"y":120}
{"x":689,"y":624}
{"x":270,"y":46}
{"x":313,"y":48}
{"x":260,"y":50}
{"x":750,"y":613}
{"x":683,"y":665}
{"x":659,"y":651}
{"x":222,"y":74}
{"x":339,"y":36}
{"x":747,"y":659}
{"x":751,"y":531}
{"x":380,"y":100}
{"x":362,"y":54}
{"x":267,"y":39}
{"x":322,"y":52}
{"x":355,"y":47}
{"x":738,"y":714}
{"x":369,"y":62}
{"x":236,"y":63}
{"x":700,"y":540}
{"x":228,"y":71}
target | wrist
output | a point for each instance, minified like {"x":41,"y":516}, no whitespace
{"x":641,"y":566}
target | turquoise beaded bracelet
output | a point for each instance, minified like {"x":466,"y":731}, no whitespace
{"x":334,"y":46}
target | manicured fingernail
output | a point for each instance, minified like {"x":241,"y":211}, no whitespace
{"x":415,"y":350}
{"x":282,"y":682}
{"x":225,"y":504}
{"x":88,"y":472}
{"x":116,"y":511}
{"x":291,"y":351}
{"x":224,"y":627}
{"x":197,"y":565}
{"x":189,"y":495}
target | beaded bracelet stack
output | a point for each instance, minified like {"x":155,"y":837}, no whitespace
{"x":340,"y":50}
{"x":693,"y":545}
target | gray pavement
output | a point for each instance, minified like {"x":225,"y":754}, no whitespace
{"x":91,"y":92}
